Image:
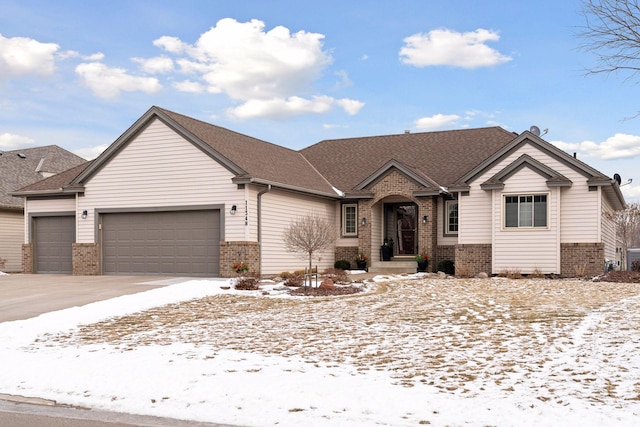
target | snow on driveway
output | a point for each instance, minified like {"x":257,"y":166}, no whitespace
{"x":413,"y":350}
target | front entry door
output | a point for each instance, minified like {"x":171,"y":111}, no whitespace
{"x":401,"y":227}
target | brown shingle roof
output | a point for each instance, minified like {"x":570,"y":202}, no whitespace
{"x":442,"y":156}
{"x":56,"y":182}
{"x":257,"y":158}
{"x":20,"y":168}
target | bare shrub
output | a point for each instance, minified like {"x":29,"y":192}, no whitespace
{"x":580,"y":269}
{"x":294,"y":280}
{"x":635,"y":265}
{"x":537,"y":274}
{"x":247,"y":283}
{"x":464,"y":271}
{"x":511,"y":273}
{"x":337,"y":275}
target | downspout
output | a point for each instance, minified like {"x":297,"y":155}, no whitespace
{"x":266,"y":190}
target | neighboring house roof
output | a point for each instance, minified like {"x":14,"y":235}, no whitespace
{"x":56,"y":184}
{"x":20,"y":168}
{"x":440,"y":157}
{"x":249,"y":159}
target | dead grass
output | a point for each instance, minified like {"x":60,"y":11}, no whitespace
{"x":456,"y":334}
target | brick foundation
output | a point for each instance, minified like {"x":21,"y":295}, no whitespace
{"x":232,"y":252}
{"x":27,"y":258}
{"x":348,"y":253}
{"x":473,"y":259}
{"x":444,"y":253}
{"x":581,"y":259}
{"x":86,"y":259}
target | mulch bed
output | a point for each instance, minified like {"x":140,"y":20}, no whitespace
{"x":620,"y":277}
{"x":326,"y":291}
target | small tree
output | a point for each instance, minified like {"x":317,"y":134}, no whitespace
{"x":627,"y":226}
{"x":308,"y":235}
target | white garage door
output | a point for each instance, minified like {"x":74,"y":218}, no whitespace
{"x":182,"y":243}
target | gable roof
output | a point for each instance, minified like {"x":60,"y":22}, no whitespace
{"x":554,"y":179}
{"x":593,"y":176}
{"x":20,"y":168}
{"x":440,"y":158}
{"x":251,"y":160}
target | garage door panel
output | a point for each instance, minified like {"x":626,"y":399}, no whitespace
{"x":53,"y":239}
{"x":180,"y":243}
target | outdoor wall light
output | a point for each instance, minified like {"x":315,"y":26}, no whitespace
{"x":425,"y":219}
{"x":233,"y":210}
{"x":84,"y":214}
{"x":364,"y":221}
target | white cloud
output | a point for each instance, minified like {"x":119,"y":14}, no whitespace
{"x":446,"y":47}
{"x":159,"y":64}
{"x":268,"y":71}
{"x":9,"y":141}
{"x":91,"y":153}
{"x":351,"y":106}
{"x":108,"y":82}
{"x":436,"y":121}
{"x":21,"y":56}
{"x":281,"y":107}
{"x":619,"y":146}
{"x":189,"y":86}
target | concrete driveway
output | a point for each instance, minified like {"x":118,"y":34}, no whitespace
{"x":28,"y":295}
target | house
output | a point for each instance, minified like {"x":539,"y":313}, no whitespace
{"x":175,"y":195}
{"x":19,"y":168}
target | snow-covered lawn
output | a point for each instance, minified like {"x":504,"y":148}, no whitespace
{"x":411,"y":350}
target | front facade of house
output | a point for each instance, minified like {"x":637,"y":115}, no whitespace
{"x":176,"y":196}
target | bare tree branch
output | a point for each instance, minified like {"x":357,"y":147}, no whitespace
{"x":308,"y":235}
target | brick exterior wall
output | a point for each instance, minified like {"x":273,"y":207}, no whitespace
{"x":348,"y":253}
{"x":444,"y":253}
{"x":86,"y":259}
{"x":477,"y":257}
{"x":27,"y":258}
{"x":581,"y":259}
{"x":232,"y":252}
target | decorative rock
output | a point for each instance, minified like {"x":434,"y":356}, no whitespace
{"x":482,"y":275}
{"x":327,"y":284}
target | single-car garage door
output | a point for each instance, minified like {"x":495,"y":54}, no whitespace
{"x":175,"y":243}
{"x":53,"y":237}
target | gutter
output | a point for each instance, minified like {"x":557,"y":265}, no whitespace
{"x":260,"y":194}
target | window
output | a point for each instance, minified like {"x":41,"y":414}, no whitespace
{"x":451,"y":217}
{"x":525,"y":211}
{"x":350,"y":219}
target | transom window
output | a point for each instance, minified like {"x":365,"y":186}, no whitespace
{"x":525,"y":211}
{"x":350,"y":219}
{"x":451,"y":216}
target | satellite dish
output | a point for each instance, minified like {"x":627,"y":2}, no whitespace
{"x":535,"y":130}
{"x":617,"y":178}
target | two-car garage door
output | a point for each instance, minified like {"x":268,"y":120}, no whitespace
{"x":175,"y":243}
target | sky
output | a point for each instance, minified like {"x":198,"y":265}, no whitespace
{"x":77,"y":74}
{"x":160,"y":372}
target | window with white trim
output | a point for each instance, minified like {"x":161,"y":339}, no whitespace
{"x":525,"y":211}
{"x":350,"y":219}
{"x":451,"y":217}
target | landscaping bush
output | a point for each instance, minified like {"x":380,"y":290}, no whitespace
{"x":337,"y":275}
{"x":447,"y":267}
{"x":635,"y":265}
{"x":342,"y":264}
{"x":293,"y":280}
{"x":247,"y":283}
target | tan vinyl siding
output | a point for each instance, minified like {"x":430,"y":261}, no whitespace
{"x":526,"y":249}
{"x":158,"y":168}
{"x":12,"y":226}
{"x":474,"y":223}
{"x":279,"y":210}
{"x":608,"y":231}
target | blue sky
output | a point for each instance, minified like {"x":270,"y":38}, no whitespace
{"x":78,"y":73}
